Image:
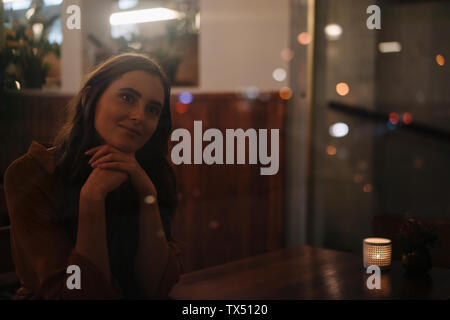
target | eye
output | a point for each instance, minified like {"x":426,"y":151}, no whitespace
{"x":127,"y":97}
{"x":154,"y":110}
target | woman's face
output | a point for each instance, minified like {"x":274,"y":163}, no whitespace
{"x":128,"y":112}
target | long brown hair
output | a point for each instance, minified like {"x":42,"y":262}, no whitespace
{"x":78,"y":135}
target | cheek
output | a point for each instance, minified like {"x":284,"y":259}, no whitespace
{"x":106,"y":117}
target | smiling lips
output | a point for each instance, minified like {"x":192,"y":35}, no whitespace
{"x":134,"y":131}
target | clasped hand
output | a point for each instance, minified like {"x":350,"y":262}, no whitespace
{"x":106,"y":157}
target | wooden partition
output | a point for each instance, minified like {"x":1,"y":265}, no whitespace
{"x":225,"y":212}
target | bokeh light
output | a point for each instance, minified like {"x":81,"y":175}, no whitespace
{"x":440,"y":60}
{"x":338,"y":130}
{"x":287,"y":54}
{"x":333,"y":31}
{"x":407,"y":118}
{"x":279,"y":74}
{"x":394,"y":118}
{"x":181,"y":107}
{"x":252,"y":92}
{"x":285,"y":93}
{"x":342,"y":89}
{"x":304,"y":38}
{"x":367,"y":188}
{"x":185,"y":97}
{"x":331,"y":150}
{"x":388,"y":47}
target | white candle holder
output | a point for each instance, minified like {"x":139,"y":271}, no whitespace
{"x":378,"y":252}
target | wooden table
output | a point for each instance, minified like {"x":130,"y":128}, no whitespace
{"x":305,"y":272}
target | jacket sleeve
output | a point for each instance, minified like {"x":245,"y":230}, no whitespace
{"x":41,"y":248}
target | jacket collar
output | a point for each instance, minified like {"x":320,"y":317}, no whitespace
{"x":43,"y":156}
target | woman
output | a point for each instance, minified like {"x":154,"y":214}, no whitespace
{"x":102,"y":199}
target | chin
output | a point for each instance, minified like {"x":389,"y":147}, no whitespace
{"x":125,"y":145}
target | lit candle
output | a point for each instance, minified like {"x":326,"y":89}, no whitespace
{"x":378,"y":252}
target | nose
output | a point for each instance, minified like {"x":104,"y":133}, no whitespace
{"x":137,"y":114}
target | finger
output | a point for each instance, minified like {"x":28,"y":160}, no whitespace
{"x":116,"y":165}
{"x":92,"y":150}
{"x":108,"y":158}
{"x":103,"y":150}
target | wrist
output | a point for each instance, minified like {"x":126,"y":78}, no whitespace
{"x":91,"y":194}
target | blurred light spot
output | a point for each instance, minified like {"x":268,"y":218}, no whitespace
{"x":197,"y":21}
{"x":391,"y":126}
{"x":279,"y":74}
{"x":127,"y":4}
{"x":285,"y":93}
{"x":393,"y":118}
{"x":367,"y":187}
{"x":37,"y":30}
{"x":18,"y":86}
{"x":331,"y":150}
{"x":144,"y":15}
{"x":150,"y":199}
{"x":252,"y":92}
{"x":420,"y":97}
{"x":342,"y":89}
{"x":196,"y":193}
{"x":287,"y":54}
{"x":179,"y":196}
{"x":185,"y":97}
{"x":30,"y":13}
{"x":213,"y":224}
{"x":387,"y":47}
{"x":181,"y":107}
{"x":440,"y":60}
{"x":357,"y":178}
{"x":338,"y":130}
{"x":304,"y":38}
{"x":407,"y":118}
{"x":333,"y":31}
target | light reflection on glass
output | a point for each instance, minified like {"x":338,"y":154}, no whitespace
{"x":304,"y":38}
{"x":279,"y":74}
{"x":338,"y":130}
{"x":440,"y":60}
{"x":342,"y":89}
{"x":333,"y":31}
{"x":285,"y":93}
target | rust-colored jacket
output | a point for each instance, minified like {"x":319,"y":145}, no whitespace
{"x":41,"y":247}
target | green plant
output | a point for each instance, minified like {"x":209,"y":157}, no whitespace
{"x":22,"y":57}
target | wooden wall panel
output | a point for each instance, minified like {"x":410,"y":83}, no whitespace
{"x":225,"y":212}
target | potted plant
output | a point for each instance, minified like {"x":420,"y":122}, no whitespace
{"x":416,"y":239}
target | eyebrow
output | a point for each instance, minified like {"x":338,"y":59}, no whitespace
{"x":139,"y":95}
